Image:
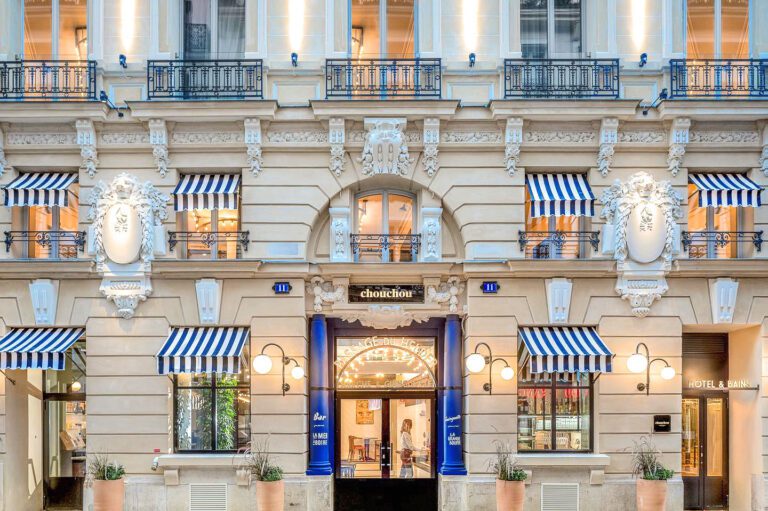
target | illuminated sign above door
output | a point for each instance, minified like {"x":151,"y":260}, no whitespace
{"x":386,"y":293}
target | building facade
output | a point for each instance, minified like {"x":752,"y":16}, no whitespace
{"x":340,"y":230}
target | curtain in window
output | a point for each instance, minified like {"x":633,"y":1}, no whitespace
{"x":567,"y":27}
{"x":197,"y":29}
{"x":231,"y":36}
{"x":533,"y":28}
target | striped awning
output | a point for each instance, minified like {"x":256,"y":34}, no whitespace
{"x":726,"y":190}
{"x":559,"y":349}
{"x":560,"y":195}
{"x":37,"y":348}
{"x":202,"y":350}
{"x":206,"y":191}
{"x":39,"y":189}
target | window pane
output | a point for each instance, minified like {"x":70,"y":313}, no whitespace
{"x":228,"y":225}
{"x":370,"y":226}
{"x":366,"y":31}
{"x":572,"y":421}
{"x":533,"y":28}
{"x":390,"y":363}
{"x":194,"y":427}
{"x":227,"y":406}
{"x":551,"y":237}
{"x":715,"y":437}
{"x":724,"y":220}
{"x":68,"y":223}
{"x":690,"y":450}
{"x":701,"y":29}
{"x":231,"y":29}
{"x":40,"y":221}
{"x":567,"y":27}
{"x":534,"y":419}
{"x":61,"y":382}
{"x":400,"y":29}
{"x":73,"y":34}
{"x":199,"y":244}
{"x":735,"y":30}
{"x":400,"y":227}
{"x":38,"y":30}
{"x":197,"y":29}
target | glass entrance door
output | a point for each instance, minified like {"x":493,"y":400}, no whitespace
{"x":64,"y":451}
{"x":705,"y":452}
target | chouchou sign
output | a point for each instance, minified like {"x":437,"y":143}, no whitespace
{"x":385,"y":293}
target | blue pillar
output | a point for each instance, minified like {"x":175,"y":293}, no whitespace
{"x":321,"y":437}
{"x":451,"y":457}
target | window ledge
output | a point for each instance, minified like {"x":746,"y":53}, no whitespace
{"x":557,"y":459}
{"x":226,"y":460}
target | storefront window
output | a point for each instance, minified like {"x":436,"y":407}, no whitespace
{"x":383,"y":29}
{"x":214,"y":29}
{"x":41,"y":221}
{"x":723,"y":219}
{"x":554,"y":414}
{"x":717,"y":29}
{"x":46,"y":40}
{"x":550,"y":28}
{"x":384,"y":228}
{"x":385,"y":362}
{"x":213,"y":412}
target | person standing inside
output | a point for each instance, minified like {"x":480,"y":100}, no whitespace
{"x":406,"y":449}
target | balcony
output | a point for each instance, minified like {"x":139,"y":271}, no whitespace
{"x":718,"y":78}
{"x":39,"y":80}
{"x":557,"y":244}
{"x":385,"y":248}
{"x":561,"y":78}
{"x":45,"y":244}
{"x":383,"y":78}
{"x":721,"y":244}
{"x":205,"y":79}
{"x":210,"y":245}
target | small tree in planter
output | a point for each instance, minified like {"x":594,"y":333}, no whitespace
{"x":106,"y":479}
{"x":652,"y":480}
{"x":270,"y":488}
{"x":510,"y":479}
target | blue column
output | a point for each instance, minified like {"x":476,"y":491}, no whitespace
{"x":321,"y":437}
{"x":451,"y":457}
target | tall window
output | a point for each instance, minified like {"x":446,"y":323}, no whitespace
{"x":384,"y":228}
{"x":212,"y":411}
{"x":550,"y":28}
{"x":383,"y":29}
{"x":214,"y":29}
{"x":214,"y":233}
{"x":44,"y":222}
{"x":55,"y":29}
{"x":553,"y":237}
{"x":554,"y":412}
{"x":717,"y":29}
{"x":711,"y":219}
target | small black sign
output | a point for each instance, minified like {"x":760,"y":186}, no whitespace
{"x":386,"y":293}
{"x":662,"y":423}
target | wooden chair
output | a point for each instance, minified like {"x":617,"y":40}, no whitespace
{"x":356,"y":445}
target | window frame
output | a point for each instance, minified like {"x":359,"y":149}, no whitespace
{"x":583,"y":226}
{"x":717,"y":36}
{"x":383,"y":30}
{"x":184,"y":224}
{"x":55,"y":21}
{"x":25,"y":218}
{"x":213,"y":53}
{"x":551,"y":33}
{"x":384,"y":227}
{"x":710,"y":226}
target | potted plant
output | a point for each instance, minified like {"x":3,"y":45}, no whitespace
{"x":270,"y":488}
{"x":510,"y":479}
{"x":106,"y":479}
{"x":652,"y":480}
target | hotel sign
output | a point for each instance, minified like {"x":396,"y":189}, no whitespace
{"x":385,"y":293}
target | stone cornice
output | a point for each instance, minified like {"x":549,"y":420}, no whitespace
{"x":50,"y":112}
{"x":358,"y":109}
{"x":203,"y":111}
{"x":565,"y":110}
{"x":714,"y":109}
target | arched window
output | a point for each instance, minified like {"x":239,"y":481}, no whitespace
{"x":384,"y":227}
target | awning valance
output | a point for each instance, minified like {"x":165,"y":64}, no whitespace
{"x":559,"y":349}
{"x":206,"y":191}
{"x":37,"y":348}
{"x":202,"y":350}
{"x":560,"y":195}
{"x":726,"y":190}
{"x":39,"y":189}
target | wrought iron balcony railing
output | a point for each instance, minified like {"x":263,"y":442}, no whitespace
{"x":561,"y":78}
{"x":210,"y":245}
{"x":45,"y":244}
{"x":717,"y":78}
{"x":557,"y":244}
{"x":46,"y":80}
{"x":398,"y":248}
{"x":383,"y":78}
{"x":205,"y":79}
{"x":720,"y":244}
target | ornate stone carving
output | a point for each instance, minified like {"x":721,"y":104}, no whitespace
{"x":158,"y":137}
{"x":724,"y":137}
{"x":431,"y":140}
{"x":86,"y":139}
{"x":307,"y":136}
{"x":208,"y":137}
{"x":44,"y":294}
{"x":24,"y":138}
{"x":764,"y":152}
{"x":446,"y":292}
{"x":560,"y":137}
{"x":324,"y":292}
{"x":513,"y":139}
{"x":678,"y":139}
{"x":722,"y":295}
{"x":641,"y":292}
{"x":124,"y":138}
{"x":470,"y":137}
{"x":642,"y":137}
{"x":336,"y":135}
{"x":208,"y":300}
{"x":609,"y":136}
{"x":431,"y":234}
{"x":559,"y":299}
{"x":385,"y":150}
{"x":385,"y":317}
{"x":253,"y":144}
{"x":340,"y":249}
{"x":3,"y":162}
{"x":126,"y":293}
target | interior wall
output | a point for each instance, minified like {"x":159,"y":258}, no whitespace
{"x":23,"y":479}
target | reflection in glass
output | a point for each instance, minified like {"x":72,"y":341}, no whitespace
{"x":690,"y":437}
{"x":231,"y":29}
{"x":197,"y":29}
{"x":410,"y":426}
{"x":533,"y":28}
{"x":567,"y":27}
{"x":550,"y":28}
{"x":383,"y":362}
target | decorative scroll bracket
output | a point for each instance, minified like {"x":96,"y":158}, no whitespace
{"x":513,"y":139}
{"x":678,"y":139}
{"x":4,"y":165}
{"x":446,"y":292}
{"x":158,"y":137}
{"x":764,"y":153}
{"x":86,"y":139}
{"x":336,"y":137}
{"x":609,"y":136}
{"x":324,"y":293}
{"x":431,"y":140}
{"x":253,"y":143}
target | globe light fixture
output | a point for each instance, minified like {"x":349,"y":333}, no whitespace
{"x":637,"y":363}
{"x":668,"y":372}
{"x":476,"y":362}
{"x":507,"y":373}
{"x":641,"y":361}
{"x":297,"y":372}
{"x":262,"y":364}
{"x":76,"y":386}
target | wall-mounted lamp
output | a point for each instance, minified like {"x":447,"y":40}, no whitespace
{"x":262,"y":364}
{"x":476,"y":362}
{"x":472,"y":59}
{"x":643,"y":60}
{"x":295,"y":59}
{"x":662,"y":96}
{"x":639,"y":362}
{"x":76,"y":386}
{"x":123,"y":61}
{"x":105,"y":99}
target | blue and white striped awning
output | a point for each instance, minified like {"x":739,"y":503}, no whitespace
{"x":202,"y":350}
{"x":206,"y":191}
{"x":560,"y":195}
{"x":561,"y":349}
{"x":39,"y":189}
{"x":726,"y":190}
{"x":37,"y":348}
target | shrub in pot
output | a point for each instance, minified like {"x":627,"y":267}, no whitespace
{"x":106,"y":479}
{"x":270,"y":488}
{"x":510,"y":479}
{"x":652,"y":476}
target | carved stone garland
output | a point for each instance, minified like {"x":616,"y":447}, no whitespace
{"x":385,"y":150}
{"x":336,"y":137}
{"x":513,"y":139}
{"x":447,"y":292}
{"x":678,"y":139}
{"x":86,"y":139}
{"x":158,"y":137}
{"x":385,"y":317}
{"x":609,"y":136}
{"x":3,"y":162}
{"x":324,"y":292}
{"x":431,"y":140}
{"x":252,"y":140}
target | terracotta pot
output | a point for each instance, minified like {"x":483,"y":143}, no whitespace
{"x":270,"y":496}
{"x":510,"y":495}
{"x":108,"y":495}
{"x":651,"y":495}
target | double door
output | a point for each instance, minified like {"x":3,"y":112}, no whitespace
{"x":705,"y":451}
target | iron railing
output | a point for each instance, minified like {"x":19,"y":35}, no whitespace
{"x":51,"y":244}
{"x":557,"y":244}
{"x":719,"y":78}
{"x":383,"y":78}
{"x":46,"y":80}
{"x":207,"y":244}
{"x":561,"y":78}
{"x":720,"y":244}
{"x":385,"y":247}
{"x":205,"y":79}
